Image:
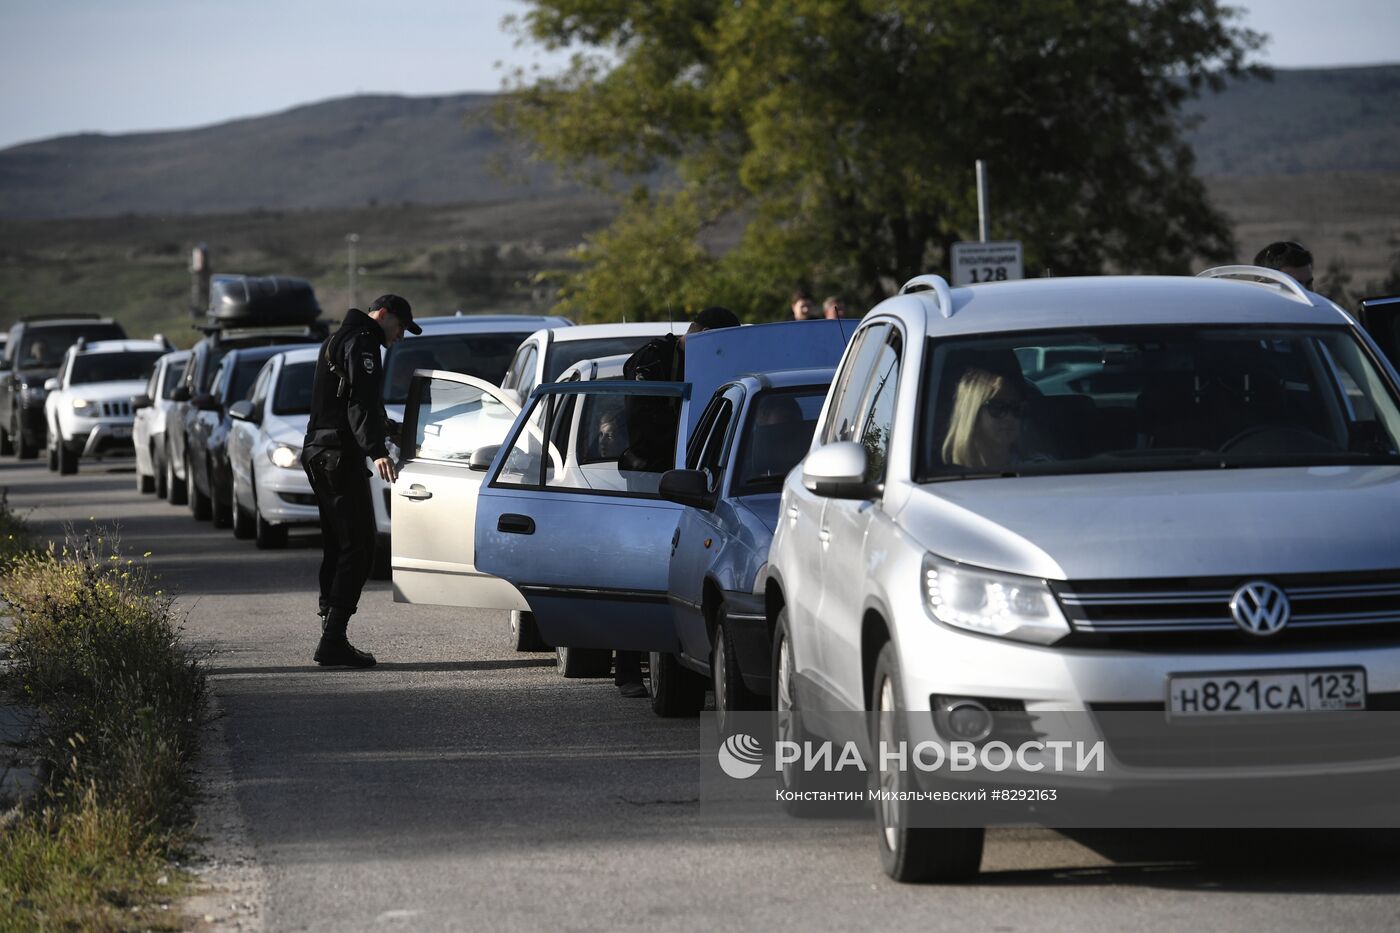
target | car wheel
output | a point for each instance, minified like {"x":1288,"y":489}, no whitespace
{"x":67,"y":459}
{"x":243,"y":525}
{"x":145,"y":483}
{"x":267,"y":536}
{"x":221,"y":511}
{"x":25,"y":449}
{"x":730,"y":693}
{"x":53,"y":460}
{"x":583,"y":662}
{"x":524,"y":633}
{"x":7,"y":442}
{"x":675,"y":691}
{"x":176,"y":488}
{"x":161,"y":480}
{"x":787,"y":718}
{"x":911,"y":853}
{"x":199,"y":501}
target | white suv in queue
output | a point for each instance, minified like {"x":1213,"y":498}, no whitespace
{"x":1087,"y":495}
{"x":89,"y":405}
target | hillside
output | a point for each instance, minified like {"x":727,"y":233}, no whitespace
{"x":358,"y":151}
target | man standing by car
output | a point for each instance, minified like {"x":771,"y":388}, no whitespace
{"x":651,"y":430}
{"x":1289,"y":258}
{"x":348,"y":424}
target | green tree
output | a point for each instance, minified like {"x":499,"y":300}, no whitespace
{"x":840,"y":136}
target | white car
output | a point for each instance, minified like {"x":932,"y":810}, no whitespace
{"x":974,"y":539}
{"x":148,"y":428}
{"x":271,"y":493}
{"x":545,"y":354}
{"x":89,"y":405}
{"x":479,"y":345}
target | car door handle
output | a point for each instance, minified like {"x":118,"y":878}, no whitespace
{"x":513,"y":524}
{"x":417,"y":493}
{"x":792,"y":512}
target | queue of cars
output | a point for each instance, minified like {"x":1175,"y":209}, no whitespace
{"x":1084,"y":494}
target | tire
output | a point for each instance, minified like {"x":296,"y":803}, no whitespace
{"x":731,"y":695}
{"x":200,"y":505}
{"x":583,"y":662}
{"x":7,"y":441}
{"x":787,"y":721}
{"x":221,"y":513}
{"x":145,"y":484}
{"x":382,"y":568}
{"x":162,"y":481}
{"x":24,"y":449}
{"x":909,"y":853}
{"x":244,"y":528}
{"x":524,"y":633}
{"x":67,"y":459}
{"x":177,"y":490}
{"x":53,"y":460}
{"x":266,"y":536}
{"x":676,"y":692}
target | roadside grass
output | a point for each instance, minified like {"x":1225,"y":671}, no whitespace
{"x":94,"y":652}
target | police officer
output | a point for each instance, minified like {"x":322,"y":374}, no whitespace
{"x":348,"y":424}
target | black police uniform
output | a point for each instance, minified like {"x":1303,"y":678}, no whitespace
{"x":347,"y":424}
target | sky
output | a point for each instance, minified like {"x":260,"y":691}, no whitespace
{"x":117,"y":66}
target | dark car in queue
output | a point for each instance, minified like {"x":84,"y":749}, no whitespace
{"x":34,"y":350}
{"x":753,"y":432}
{"x":209,"y":479}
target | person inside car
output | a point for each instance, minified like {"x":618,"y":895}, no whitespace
{"x":985,"y":423}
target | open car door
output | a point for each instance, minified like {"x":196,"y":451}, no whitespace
{"x":570,"y":514}
{"x":448,"y":418}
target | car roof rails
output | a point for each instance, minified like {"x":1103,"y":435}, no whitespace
{"x":80,"y":343}
{"x":71,"y":316}
{"x":1259,"y":275}
{"x":942,"y":295}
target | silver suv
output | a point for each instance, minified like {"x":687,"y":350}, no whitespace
{"x":1172,"y":495}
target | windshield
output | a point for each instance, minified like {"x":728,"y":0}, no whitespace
{"x":484,"y":356}
{"x":565,"y":353}
{"x":114,"y":367}
{"x":43,"y":347}
{"x":779,"y":433}
{"x":1153,"y":398}
{"x":293,"y":396}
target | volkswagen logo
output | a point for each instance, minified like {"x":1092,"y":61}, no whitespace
{"x":1260,"y":608}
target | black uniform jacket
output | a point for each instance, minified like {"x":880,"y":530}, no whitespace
{"x":347,"y":398}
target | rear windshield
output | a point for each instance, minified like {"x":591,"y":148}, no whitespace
{"x":565,"y":353}
{"x":114,"y":367}
{"x":293,"y":396}
{"x":43,"y":347}
{"x":484,"y":356}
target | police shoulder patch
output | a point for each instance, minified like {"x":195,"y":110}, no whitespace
{"x":368,"y":361}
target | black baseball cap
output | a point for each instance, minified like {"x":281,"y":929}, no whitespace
{"x":399,"y":308}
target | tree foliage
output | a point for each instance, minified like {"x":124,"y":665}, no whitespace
{"x":842,"y":136}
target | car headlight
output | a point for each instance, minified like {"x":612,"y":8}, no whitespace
{"x":285,"y":456}
{"x":82,"y":404}
{"x":991,"y":603}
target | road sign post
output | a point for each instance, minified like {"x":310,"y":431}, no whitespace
{"x":974,"y":263}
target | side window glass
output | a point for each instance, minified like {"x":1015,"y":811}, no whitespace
{"x":260,"y":387}
{"x":600,"y":442}
{"x":513,"y":371}
{"x":877,"y":412}
{"x":844,"y":415}
{"x":712,"y":457}
{"x":454,"y":419}
{"x":526,"y":385}
{"x":153,"y":383}
{"x":702,"y":432}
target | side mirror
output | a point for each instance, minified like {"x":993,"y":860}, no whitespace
{"x":686,"y":487}
{"x":481,"y":458}
{"x":241,"y":410}
{"x":140,"y":401}
{"x":837,"y":471}
{"x":50,"y":384}
{"x":204,"y":402}
{"x":180,"y":394}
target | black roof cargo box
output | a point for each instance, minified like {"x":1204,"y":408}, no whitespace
{"x":261,"y":300}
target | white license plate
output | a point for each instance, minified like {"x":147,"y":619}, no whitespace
{"x":1247,"y":694}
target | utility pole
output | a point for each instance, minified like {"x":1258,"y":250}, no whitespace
{"x":350,"y":240}
{"x":981,"y":201}
{"x":201,"y":267}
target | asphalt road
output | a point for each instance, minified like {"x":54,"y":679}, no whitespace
{"x":462,"y":786}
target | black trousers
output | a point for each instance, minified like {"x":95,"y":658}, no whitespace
{"x":341,"y":484}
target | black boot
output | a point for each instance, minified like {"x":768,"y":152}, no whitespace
{"x":335,"y":649}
